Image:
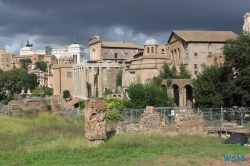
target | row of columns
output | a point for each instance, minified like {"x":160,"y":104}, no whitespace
{"x":82,"y":77}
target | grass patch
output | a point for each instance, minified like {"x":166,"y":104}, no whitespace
{"x":55,"y":140}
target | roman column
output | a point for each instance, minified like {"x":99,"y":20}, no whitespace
{"x":100,"y":82}
{"x":93,"y":82}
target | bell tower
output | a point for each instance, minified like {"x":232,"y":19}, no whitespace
{"x":246,"y":26}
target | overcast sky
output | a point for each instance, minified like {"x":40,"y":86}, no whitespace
{"x":57,"y":22}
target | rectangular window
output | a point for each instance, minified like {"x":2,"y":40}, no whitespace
{"x":196,"y":54}
{"x":69,"y":74}
{"x":115,"y":55}
{"x":195,"y":72}
{"x":195,"y":66}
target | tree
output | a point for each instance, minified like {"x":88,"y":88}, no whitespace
{"x":167,"y":73}
{"x":184,"y":74}
{"x":66,"y":94}
{"x":41,"y":65}
{"x":2,"y":80}
{"x":48,"y":91}
{"x":29,"y":81}
{"x":206,"y":88}
{"x":13,"y":80}
{"x":136,"y":93}
{"x":150,"y":94}
{"x":24,"y":63}
{"x":237,"y":70}
{"x":114,"y":103}
{"x":227,"y":84}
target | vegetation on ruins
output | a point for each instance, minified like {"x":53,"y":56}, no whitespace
{"x":81,"y":104}
{"x":41,"y":65}
{"x":107,"y":91}
{"x":172,"y":73}
{"x":53,"y":140}
{"x":226,"y":84}
{"x":147,"y":95}
{"x":24,"y":63}
{"x":114,"y":103}
{"x":119,"y":78}
{"x":112,"y":106}
{"x":66,"y":94}
{"x":113,"y":116}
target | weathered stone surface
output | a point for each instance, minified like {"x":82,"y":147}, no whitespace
{"x":150,"y":120}
{"x":95,"y":111}
{"x":190,"y":123}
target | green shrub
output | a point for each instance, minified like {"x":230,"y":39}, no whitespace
{"x":114,"y":103}
{"x":108,"y":91}
{"x":81,"y":104}
{"x":113,"y":116}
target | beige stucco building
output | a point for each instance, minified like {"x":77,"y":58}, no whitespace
{"x":194,"y":48}
{"x":246,"y":26}
{"x":98,"y":74}
{"x":61,"y":78}
{"x":6,"y":59}
{"x":51,"y":59}
{"x":146,"y":64}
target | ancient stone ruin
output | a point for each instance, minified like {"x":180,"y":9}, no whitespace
{"x":150,"y":121}
{"x":95,"y":111}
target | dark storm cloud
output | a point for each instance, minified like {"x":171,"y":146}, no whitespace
{"x":58,"y":21}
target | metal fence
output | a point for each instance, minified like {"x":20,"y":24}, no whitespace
{"x":167,"y":114}
{"x":214,"y":117}
{"x":218,"y":116}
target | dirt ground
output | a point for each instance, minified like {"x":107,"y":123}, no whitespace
{"x":204,"y":161}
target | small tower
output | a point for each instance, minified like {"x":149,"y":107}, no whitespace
{"x":150,"y":46}
{"x":246,"y":26}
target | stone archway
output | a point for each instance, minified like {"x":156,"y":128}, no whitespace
{"x":175,"y":95}
{"x":181,"y":91}
{"x":189,"y":96}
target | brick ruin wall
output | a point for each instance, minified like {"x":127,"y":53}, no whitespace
{"x":150,"y":122}
{"x":95,"y":111}
{"x":15,"y":106}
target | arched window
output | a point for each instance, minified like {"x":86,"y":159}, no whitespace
{"x":148,"y":49}
{"x":152,"y":50}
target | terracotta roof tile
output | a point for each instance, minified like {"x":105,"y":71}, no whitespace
{"x":121,"y":45}
{"x":205,"y":36}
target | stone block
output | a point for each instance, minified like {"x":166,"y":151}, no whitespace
{"x":95,"y":124}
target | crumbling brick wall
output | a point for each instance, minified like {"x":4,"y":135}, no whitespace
{"x":185,"y":122}
{"x":95,"y":111}
{"x":150,"y":120}
{"x":189,"y":123}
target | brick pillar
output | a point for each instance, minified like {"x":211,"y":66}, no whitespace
{"x":95,"y":111}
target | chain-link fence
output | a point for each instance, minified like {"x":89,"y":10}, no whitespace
{"x":75,"y":113}
{"x":218,"y":117}
{"x":167,"y":114}
{"x":214,"y":117}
